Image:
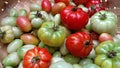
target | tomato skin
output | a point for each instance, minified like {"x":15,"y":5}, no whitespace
{"x":37,"y":58}
{"x":79,"y":44}
{"x":94,"y":6}
{"x":46,"y":5}
{"x":24,"y":24}
{"x":64,"y":1}
{"x":74,"y":18}
{"x":29,"y":39}
{"x":77,"y":2}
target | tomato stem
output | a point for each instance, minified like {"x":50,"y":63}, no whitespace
{"x":87,"y":43}
{"x":74,"y":9}
{"x":111,"y":54}
{"x":55,"y":28}
{"x":102,"y":16}
{"x":35,"y":59}
{"x":39,"y":14}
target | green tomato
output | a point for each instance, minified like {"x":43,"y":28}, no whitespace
{"x":6,"y":34}
{"x":45,"y":16}
{"x":57,"y":19}
{"x":61,"y":64}
{"x":107,"y":55}
{"x":71,"y":59}
{"x":8,"y":67}
{"x":85,"y":61}
{"x":11,"y":60}
{"x":22,"y":50}
{"x":32,"y":15}
{"x":20,"y":64}
{"x":77,"y":66}
{"x":22,"y":12}
{"x":13,"y":12}
{"x":17,"y":32}
{"x":14,"y":45}
{"x":56,"y":59}
{"x":41,"y":45}
{"x":104,"y":22}
{"x":57,"y":54}
{"x":51,"y":34}
{"x":36,"y":22}
{"x":63,"y":49}
{"x":91,"y":66}
{"x":92,"y":54}
{"x":11,"y":21}
{"x":35,"y":7}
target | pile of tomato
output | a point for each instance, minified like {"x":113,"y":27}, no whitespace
{"x":61,"y":34}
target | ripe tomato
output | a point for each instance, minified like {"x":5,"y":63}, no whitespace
{"x":79,"y":44}
{"x":24,"y":24}
{"x":77,"y":2}
{"x":37,"y":58}
{"x":94,"y":6}
{"x":74,"y":18}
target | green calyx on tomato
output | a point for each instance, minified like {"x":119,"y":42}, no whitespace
{"x":6,"y":34}
{"x":107,"y":55}
{"x":52,"y":34}
{"x":104,"y":22}
{"x":37,"y":58}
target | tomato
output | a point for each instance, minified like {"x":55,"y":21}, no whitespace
{"x":57,"y":7}
{"x":104,"y":37}
{"x":61,"y":64}
{"x":91,"y":66}
{"x":17,"y":32}
{"x":85,"y":62}
{"x":73,"y":17}
{"x":46,"y":5}
{"x":79,"y":44}
{"x":107,"y":55}
{"x":51,"y":34}
{"x":14,"y":45}
{"x":104,"y":22}
{"x":71,"y":59}
{"x":94,"y":6}
{"x":24,"y":24}
{"x":11,"y":59}
{"x":37,"y":58}
{"x":6,"y":34}
{"x":8,"y":21}
{"x":77,"y":2}
{"x":29,"y":39}
{"x":35,"y":7}
{"x":13,"y":12}
{"x":64,"y":1}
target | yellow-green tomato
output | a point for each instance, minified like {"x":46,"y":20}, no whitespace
{"x":107,"y":55}
{"x":11,"y":60}
{"x":51,"y":34}
{"x":77,"y":66}
{"x":7,"y":34}
{"x":8,"y":67}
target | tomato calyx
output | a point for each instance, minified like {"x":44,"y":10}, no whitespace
{"x":74,"y":9}
{"x":39,"y":14}
{"x":55,"y":27}
{"x":111,"y":54}
{"x":35,"y":59}
{"x":102,"y":16}
{"x":87,"y":43}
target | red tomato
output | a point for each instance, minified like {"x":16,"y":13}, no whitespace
{"x":77,"y":2}
{"x":94,"y":35}
{"x":64,"y":1}
{"x":94,"y":6}
{"x":105,"y":37}
{"x":79,"y":44}
{"x":74,"y":18}
{"x":46,"y":5}
{"x":37,"y":58}
{"x":24,"y":24}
